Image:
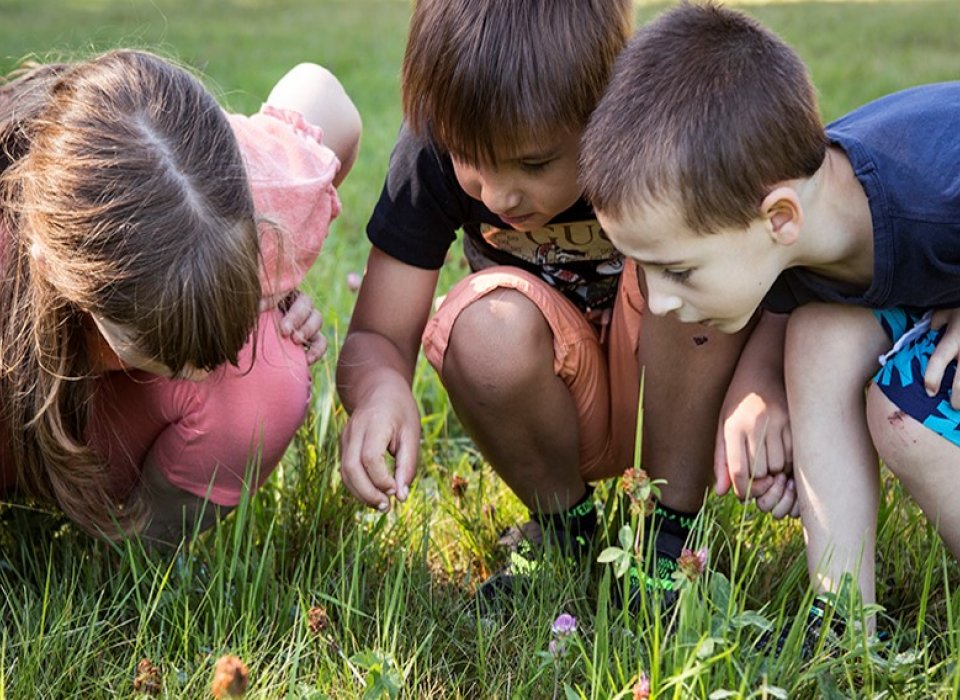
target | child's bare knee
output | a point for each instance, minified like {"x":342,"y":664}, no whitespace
{"x":310,"y":71}
{"x":318,"y":95}
{"x":832,"y":345}
{"x":813,"y":329}
{"x":501,"y":333}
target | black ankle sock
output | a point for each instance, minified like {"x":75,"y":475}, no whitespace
{"x":672,"y":520}
{"x":573,"y":527}
{"x":666,"y":522}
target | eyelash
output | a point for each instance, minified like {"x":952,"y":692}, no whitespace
{"x":535,"y":167}
{"x":678,"y":276}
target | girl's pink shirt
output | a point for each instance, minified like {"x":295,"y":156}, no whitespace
{"x":291,"y":175}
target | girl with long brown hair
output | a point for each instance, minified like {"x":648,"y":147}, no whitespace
{"x":146,"y":238}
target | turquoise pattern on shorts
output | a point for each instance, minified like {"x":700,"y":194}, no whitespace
{"x":901,"y":377}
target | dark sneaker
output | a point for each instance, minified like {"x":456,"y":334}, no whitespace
{"x":527,"y":535}
{"x":570,"y":532}
{"x":823,"y":630}
{"x":772,"y":642}
{"x":524,"y":546}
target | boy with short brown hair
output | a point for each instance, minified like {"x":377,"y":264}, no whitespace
{"x":540,"y":346}
{"x":707,"y":163}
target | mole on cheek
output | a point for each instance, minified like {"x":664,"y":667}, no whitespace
{"x":699,"y":339}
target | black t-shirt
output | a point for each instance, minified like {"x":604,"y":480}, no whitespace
{"x":422,"y":206}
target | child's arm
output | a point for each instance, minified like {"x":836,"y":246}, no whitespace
{"x":374,"y":373}
{"x":947,"y":349}
{"x":316,"y":93}
{"x":754,"y":449}
{"x":318,"y":96}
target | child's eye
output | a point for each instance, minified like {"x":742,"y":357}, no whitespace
{"x":534,"y":166}
{"x":678,"y":275}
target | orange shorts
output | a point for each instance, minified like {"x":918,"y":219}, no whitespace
{"x":602,"y":375}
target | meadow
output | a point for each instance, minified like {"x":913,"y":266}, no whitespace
{"x":322,"y":598}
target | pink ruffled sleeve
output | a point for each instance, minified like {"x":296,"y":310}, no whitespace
{"x":291,"y":175}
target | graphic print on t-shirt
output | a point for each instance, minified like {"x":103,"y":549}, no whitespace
{"x":576,"y":257}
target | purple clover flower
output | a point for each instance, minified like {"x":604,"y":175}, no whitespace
{"x":564,"y":625}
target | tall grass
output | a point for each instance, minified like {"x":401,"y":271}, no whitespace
{"x":323,"y":599}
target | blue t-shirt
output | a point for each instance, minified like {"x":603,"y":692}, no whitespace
{"x":905,"y":151}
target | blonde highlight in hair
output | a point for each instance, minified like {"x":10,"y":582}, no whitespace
{"x":123,"y":194}
{"x":486,"y":75}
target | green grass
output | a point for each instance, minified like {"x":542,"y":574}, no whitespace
{"x":77,"y":616}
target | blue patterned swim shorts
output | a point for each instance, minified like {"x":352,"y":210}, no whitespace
{"x":901,"y":373}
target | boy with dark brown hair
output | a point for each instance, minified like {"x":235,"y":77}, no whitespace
{"x":540,"y":347}
{"x":707,"y":163}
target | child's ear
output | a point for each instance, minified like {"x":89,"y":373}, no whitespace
{"x":39,"y":258}
{"x":782,"y":209}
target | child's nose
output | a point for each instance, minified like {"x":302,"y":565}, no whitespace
{"x":661,"y":304}
{"x":501,"y":197}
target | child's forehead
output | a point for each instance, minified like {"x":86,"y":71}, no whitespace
{"x":647,"y":228}
{"x":646,"y":213}
{"x":521,"y":146}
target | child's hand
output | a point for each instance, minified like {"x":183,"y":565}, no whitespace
{"x":754,"y":447}
{"x":301,"y":322}
{"x":947,"y":349}
{"x":754,"y":451}
{"x":780,"y":497}
{"x":388,"y":422}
